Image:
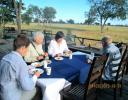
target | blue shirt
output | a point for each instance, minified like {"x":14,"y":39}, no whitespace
{"x":112,"y":64}
{"x":14,"y":77}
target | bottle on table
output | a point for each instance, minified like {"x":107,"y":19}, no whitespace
{"x":70,"y":57}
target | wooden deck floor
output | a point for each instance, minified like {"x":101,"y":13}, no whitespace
{"x":108,"y":94}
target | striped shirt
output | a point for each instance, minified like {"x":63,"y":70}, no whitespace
{"x":113,"y":61}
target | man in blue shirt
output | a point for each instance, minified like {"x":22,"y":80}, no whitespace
{"x":114,"y":59}
{"x":14,"y":77}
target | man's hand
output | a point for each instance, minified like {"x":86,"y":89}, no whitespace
{"x":45,"y":54}
{"x":40,"y":57}
{"x":37,"y":74}
{"x":70,"y":51}
{"x":58,"y":55}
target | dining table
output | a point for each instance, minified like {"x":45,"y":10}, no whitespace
{"x":63,"y":72}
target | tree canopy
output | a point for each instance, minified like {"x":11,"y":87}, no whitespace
{"x":70,"y":21}
{"x":49,"y":14}
{"x":36,"y":14}
{"x":102,"y":10}
{"x":7,"y":11}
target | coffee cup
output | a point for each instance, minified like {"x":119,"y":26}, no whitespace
{"x":89,"y":60}
{"x":48,"y":70}
{"x":70,"y":57}
{"x":45,"y":64}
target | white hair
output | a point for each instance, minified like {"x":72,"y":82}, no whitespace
{"x":107,"y":39}
{"x":36,"y":34}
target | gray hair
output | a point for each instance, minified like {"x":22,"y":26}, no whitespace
{"x":107,"y":39}
{"x":38,"y":34}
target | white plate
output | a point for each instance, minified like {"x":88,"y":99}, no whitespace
{"x":36,"y":64}
{"x":59,"y":58}
{"x":32,"y":71}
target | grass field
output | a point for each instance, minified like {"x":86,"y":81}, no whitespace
{"x":118,"y":33}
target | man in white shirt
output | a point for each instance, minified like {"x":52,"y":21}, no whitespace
{"x":14,"y":77}
{"x":35,"y":51}
{"x":58,"y":45}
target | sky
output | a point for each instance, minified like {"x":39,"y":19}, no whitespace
{"x":68,"y":9}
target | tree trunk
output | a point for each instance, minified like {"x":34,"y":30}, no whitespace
{"x":102,"y":28}
{"x":18,"y":14}
{"x":101,"y":25}
{"x":2,"y":27}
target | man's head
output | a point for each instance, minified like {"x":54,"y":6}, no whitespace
{"x":59,"y":36}
{"x":38,"y":37}
{"x":106,"y":40}
{"x":21,"y":44}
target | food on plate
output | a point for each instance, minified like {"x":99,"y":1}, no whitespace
{"x":36,"y":64}
{"x":33,"y":71}
{"x":58,"y":58}
{"x":67,"y":53}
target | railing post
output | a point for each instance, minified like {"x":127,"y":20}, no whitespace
{"x":82,"y":42}
{"x":45,"y":40}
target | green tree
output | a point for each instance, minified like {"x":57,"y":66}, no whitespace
{"x":70,"y":21}
{"x":90,"y":17}
{"x":7,"y":11}
{"x":48,"y":14}
{"x":89,"y":21}
{"x":109,"y":9}
{"x":26,"y":18}
{"x":61,"y":21}
{"x":36,"y":12}
{"x":18,"y":7}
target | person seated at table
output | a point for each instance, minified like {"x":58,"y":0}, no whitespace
{"x":35,"y":52}
{"x":58,"y":45}
{"x":114,"y":58}
{"x":14,"y":76}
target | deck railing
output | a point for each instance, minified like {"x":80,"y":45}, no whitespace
{"x":72,"y":40}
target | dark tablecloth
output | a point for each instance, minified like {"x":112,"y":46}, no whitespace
{"x":69,"y":68}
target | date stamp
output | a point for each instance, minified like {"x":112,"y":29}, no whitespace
{"x":105,"y":85}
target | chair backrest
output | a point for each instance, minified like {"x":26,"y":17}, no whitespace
{"x":121,"y":47}
{"x":95,"y":72}
{"x":48,"y":38}
{"x":121,"y":67}
{"x":126,"y":62}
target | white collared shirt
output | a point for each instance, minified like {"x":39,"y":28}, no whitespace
{"x":54,"y":48}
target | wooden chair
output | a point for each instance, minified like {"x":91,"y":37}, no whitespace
{"x":48,"y":37}
{"x":117,"y":83}
{"x":82,"y":91}
{"x":121,"y":47}
{"x":126,"y":62}
{"x":70,"y":39}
